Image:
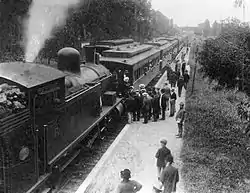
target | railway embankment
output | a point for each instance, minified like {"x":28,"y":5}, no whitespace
{"x":214,"y":152}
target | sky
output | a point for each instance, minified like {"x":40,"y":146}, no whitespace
{"x":193,"y":12}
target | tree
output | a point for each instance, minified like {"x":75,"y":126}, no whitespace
{"x":225,"y":58}
{"x":92,"y":21}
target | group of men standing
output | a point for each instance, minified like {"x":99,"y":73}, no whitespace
{"x":153,"y":104}
{"x":150,"y":103}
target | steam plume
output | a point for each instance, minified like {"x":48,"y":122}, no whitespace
{"x":44,"y":16}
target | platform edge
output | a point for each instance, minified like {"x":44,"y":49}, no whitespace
{"x":103,"y":159}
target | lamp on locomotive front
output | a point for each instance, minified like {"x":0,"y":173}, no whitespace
{"x":69,"y":60}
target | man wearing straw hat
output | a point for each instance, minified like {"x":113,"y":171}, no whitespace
{"x":127,"y":185}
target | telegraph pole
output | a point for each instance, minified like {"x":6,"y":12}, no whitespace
{"x":196,"y":60}
{"x":243,"y":6}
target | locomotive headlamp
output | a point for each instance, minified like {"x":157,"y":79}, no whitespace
{"x":24,"y":153}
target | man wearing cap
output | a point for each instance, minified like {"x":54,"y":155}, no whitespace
{"x":169,"y":176}
{"x":141,"y":86}
{"x":163,"y":103}
{"x":138,"y":105}
{"x":173,"y":98}
{"x":161,"y":155}
{"x":180,"y":117}
{"x":155,"y":105}
{"x":127,"y":185}
{"x":130,"y":107}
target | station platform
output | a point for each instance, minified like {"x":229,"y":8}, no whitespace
{"x":135,"y":149}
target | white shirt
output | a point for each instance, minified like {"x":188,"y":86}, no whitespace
{"x":160,"y":99}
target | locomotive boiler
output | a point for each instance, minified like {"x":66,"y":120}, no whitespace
{"x":46,"y":113}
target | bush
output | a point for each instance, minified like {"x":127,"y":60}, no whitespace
{"x":214,"y":148}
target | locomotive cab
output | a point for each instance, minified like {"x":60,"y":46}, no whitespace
{"x":27,"y":91}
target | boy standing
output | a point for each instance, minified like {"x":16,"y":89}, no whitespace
{"x":161,"y":156}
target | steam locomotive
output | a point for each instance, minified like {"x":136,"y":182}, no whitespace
{"x":45,"y":113}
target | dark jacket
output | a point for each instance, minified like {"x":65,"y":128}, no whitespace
{"x":180,"y":82}
{"x":173,"y":78}
{"x":181,"y":115}
{"x":163,"y":101}
{"x":183,"y":67}
{"x":169,"y":178}
{"x":178,"y":73}
{"x":176,"y":67}
{"x":186,"y":77}
{"x":156,"y":102}
{"x":161,"y":155}
{"x":173,"y":96}
{"x":138,"y":102}
{"x":130,"y":104}
{"x":167,"y":92}
{"x":146,"y":104}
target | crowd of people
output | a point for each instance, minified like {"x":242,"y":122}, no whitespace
{"x":152,"y":103}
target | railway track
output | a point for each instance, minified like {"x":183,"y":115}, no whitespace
{"x":73,"y":176}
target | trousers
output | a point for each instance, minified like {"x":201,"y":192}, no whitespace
{"x":172,"y":107}
{"x":179,"y":90}
{"x":180,"y":129}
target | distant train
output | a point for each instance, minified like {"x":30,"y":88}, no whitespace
{"x":45,"y":113}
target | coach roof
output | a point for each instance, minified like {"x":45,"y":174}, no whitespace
{"x":132,"y":60}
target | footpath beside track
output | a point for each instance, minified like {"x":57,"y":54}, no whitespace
{"x":135,"y":148}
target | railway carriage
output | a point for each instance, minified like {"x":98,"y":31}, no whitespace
{"x":46,"y":114}
{"x":166,"y":49}
{"x":140,"y":62}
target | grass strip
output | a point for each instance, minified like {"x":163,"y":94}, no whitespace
{"x":214,"y":152}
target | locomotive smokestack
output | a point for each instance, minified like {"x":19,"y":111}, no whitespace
{"x":69,"y":60}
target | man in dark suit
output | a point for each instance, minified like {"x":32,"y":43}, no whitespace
{"x":163,"y":103}
{"x":186,"y":79}
{"x":183,"y":68}
{"x":169,"y":176}
{"x":156,"y":105}
{"x":180,"y":84}
{"x":138,"y":105}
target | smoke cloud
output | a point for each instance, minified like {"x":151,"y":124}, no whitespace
{"x":44,"y":17}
